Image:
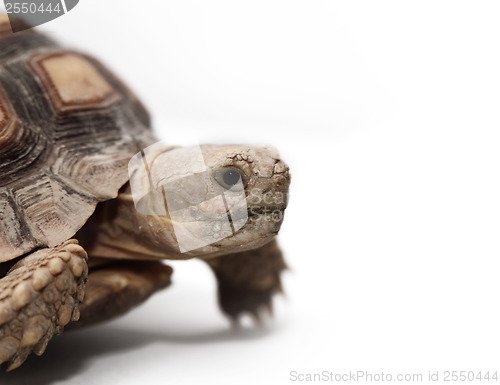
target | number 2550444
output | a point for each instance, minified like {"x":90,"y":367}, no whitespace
{"x":20,"y":8}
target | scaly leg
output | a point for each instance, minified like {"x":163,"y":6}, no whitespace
{"x":116,"y":286}
{"x":247,"y":281}
{"x":38,"y":297}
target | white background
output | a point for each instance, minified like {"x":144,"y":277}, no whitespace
{"x":388,"y":114}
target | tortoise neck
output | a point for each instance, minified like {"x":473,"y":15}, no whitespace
{"x":118,"y":230}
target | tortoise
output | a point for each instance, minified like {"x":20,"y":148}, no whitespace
{"x":76,"y":246}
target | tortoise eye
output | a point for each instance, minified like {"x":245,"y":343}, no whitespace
{"x":229,"y":178}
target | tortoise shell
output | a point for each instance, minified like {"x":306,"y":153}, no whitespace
{"x":68,"y":128}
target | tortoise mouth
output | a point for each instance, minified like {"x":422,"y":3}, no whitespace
{"x":231,"y":215}
{"x":258,"y":210}
{"x":266,"y":214}
{"x":255,"y":212}
{"x":230,"y":229}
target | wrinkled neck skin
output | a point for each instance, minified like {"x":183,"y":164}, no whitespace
{"x":119,"y":230}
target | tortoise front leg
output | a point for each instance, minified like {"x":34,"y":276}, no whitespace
{"x":247,"y":281}
{"x":38,"y":297}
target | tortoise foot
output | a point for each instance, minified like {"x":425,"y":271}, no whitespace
{"x":248,"y":281}
{"x":38,"y":297}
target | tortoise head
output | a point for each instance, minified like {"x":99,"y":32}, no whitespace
{"x":216,"y":199}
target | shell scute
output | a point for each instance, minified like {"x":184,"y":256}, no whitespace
{"x":72,"y":82}
{"x":68,"y":128}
